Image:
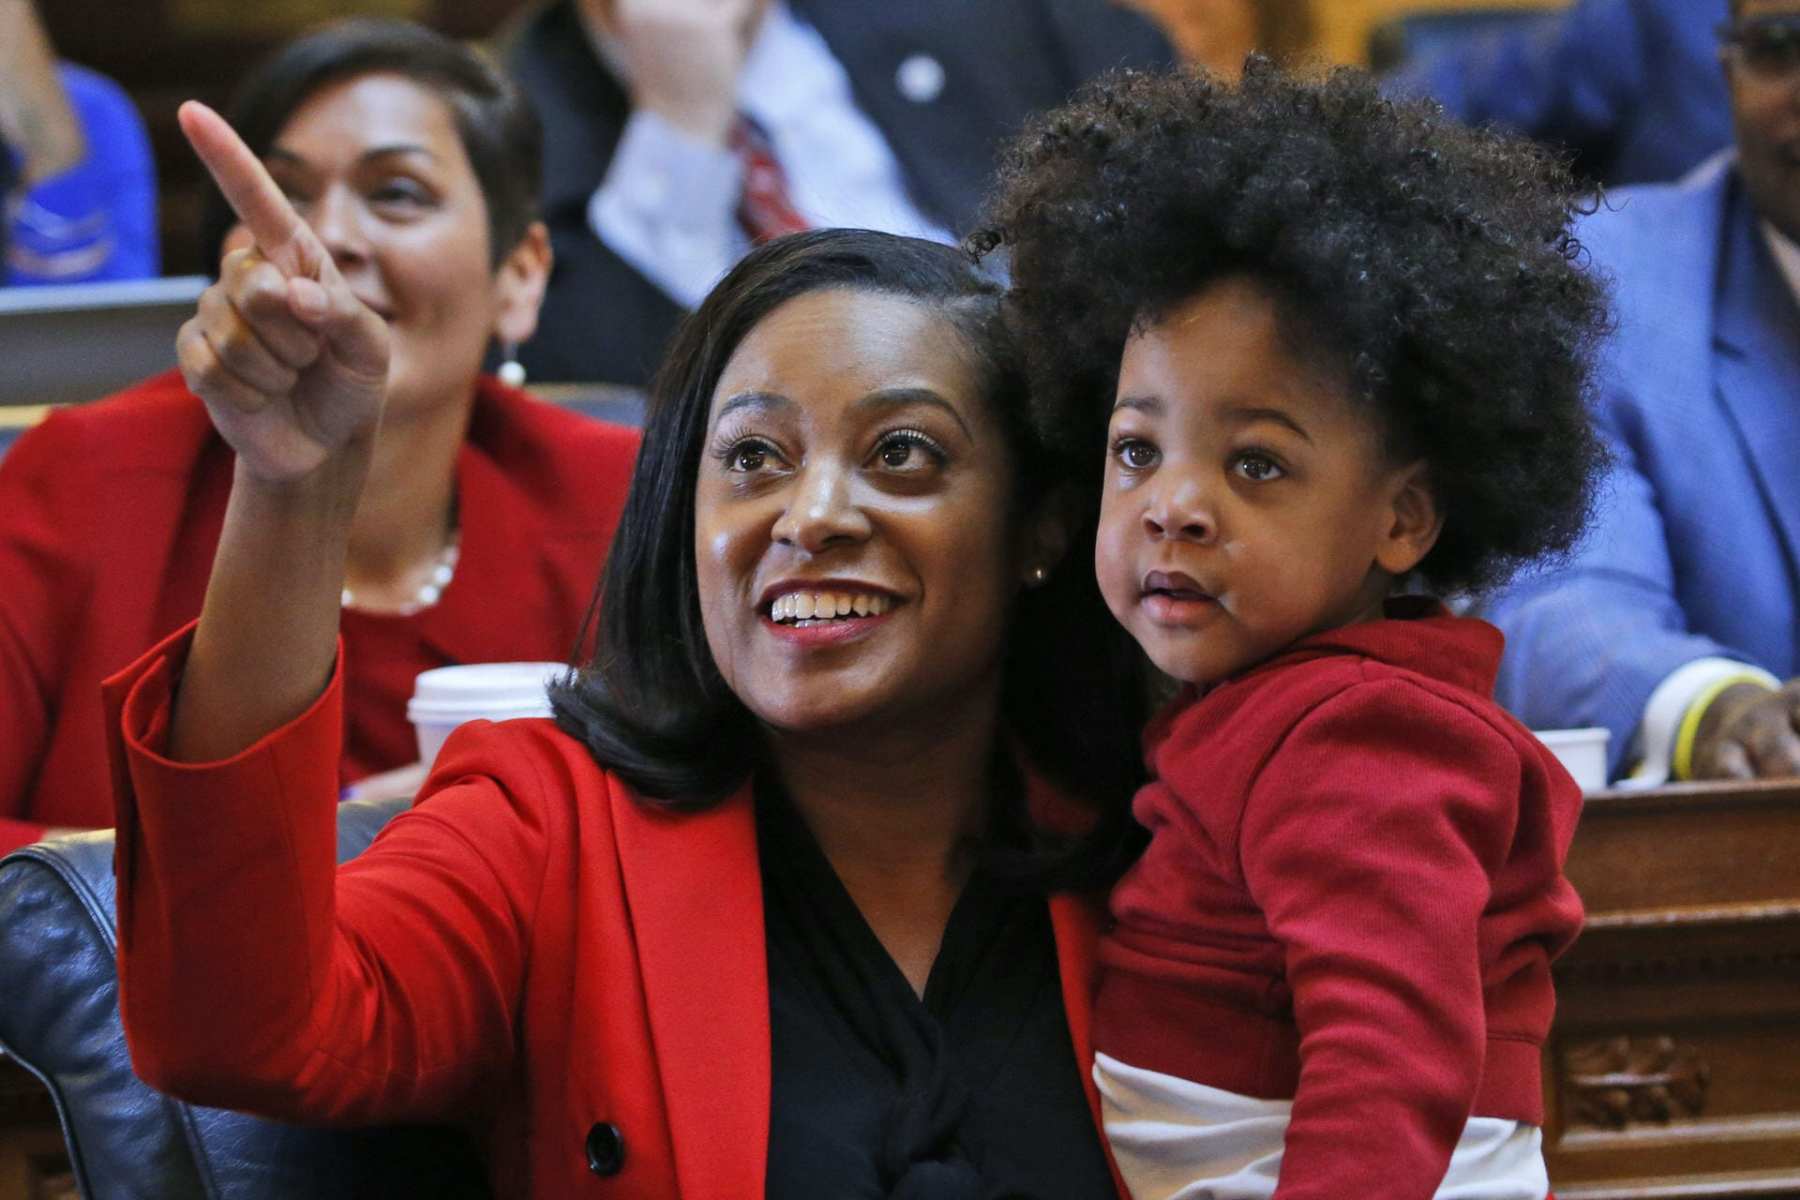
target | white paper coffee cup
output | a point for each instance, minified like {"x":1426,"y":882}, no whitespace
{"x":1582,"y":752}
{"x":445,"y":697}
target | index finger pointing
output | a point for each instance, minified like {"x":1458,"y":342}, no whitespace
{"x":253,"y":195}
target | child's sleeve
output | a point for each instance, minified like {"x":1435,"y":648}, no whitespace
{"x":1368,"y":841}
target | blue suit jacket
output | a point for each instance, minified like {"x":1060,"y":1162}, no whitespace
{"x":1694,"y":547}
{"x":1634,"y":86}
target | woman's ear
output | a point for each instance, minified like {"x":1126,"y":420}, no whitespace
{"x":1413,"y":520}
{"x":519,"y":285}
{"x":1044,"y":539}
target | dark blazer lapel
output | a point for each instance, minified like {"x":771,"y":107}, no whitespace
{"x":948,"y":142}
{"x":695,"y":890}
{"x":580,"y":103}
{"x":1076,"y":920}
{"x":1757,"y":367}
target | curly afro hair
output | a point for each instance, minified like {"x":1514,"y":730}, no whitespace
{"x":1431,"y":263}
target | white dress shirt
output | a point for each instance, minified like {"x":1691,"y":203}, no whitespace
{"x":1787,"y":256}
{"x":668,"y":203}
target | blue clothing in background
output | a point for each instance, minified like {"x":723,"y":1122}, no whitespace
{"x":9,"y":179}
{"x":1694,"y":547}
{"x":97,"y":220}
{"x":1633,"y":86}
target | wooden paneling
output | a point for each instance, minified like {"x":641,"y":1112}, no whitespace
{"x":1344,"y":25}
{"x":1674,"y":1066}
{"x":1341,"y":27}
{"x":33,"y":1165}
{"x":1673,"y":1070}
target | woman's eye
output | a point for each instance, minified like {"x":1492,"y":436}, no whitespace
{"x":1258,"y":468}
{"x":908,"y":450}
{"x":1135,"y":453}
{"x":747,"y":456}
{"x":399,"y":192}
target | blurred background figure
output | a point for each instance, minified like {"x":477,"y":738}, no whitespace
{"x":1632,"y":86}
{"x":1679,"y":619}
{"x":678,"y":133}
{"x":36,"y":118}
{"x":82,"y":204}
{"x":1217,"y":34}
{"x":413,"y":163}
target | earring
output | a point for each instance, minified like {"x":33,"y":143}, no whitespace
{"x":1038,"y":576}
{"x":512,"y":371}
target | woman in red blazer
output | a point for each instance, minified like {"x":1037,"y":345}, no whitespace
{"x":764,"y":911}
{"x":486,"y":514}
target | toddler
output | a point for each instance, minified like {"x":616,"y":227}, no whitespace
{"x":1343,"y":348}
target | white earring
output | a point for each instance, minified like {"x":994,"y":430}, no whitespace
{"x":512,"y":371}
{"x":1038,"y":576}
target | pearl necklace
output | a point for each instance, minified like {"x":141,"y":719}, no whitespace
{"x":431,"y":589}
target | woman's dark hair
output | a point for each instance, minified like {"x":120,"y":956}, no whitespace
{"x":1430,"y":264}
{"x":495,"y":122}
{"x":651,"y":703}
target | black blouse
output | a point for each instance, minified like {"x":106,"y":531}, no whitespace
{"x":971,"y":1092}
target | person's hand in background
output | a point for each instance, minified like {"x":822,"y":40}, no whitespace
{"x":35,"y":115}
{"x":684,"y":57}
{"x":1750,"y":732}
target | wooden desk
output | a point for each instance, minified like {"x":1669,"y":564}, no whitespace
{"x":1674,"y":1066}
{"x":33,"y":1165}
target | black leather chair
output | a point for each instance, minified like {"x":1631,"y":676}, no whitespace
{"x":59,"y":1018}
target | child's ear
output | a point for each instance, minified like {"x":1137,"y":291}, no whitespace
{"x":1415,"y":521}
{"x":1044,"y":537}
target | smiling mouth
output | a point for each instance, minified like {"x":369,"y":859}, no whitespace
{"x":808,"y":610}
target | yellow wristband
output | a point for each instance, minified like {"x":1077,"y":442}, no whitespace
{"x":1681,"y":763}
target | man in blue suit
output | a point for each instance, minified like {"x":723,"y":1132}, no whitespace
{"x":1677,"y":621}
{"x":1631,"y":85}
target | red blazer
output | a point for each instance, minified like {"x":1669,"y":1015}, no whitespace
{"x":531,"y":951}
{"x":109,"y":516}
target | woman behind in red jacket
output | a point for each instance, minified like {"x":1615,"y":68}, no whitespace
{"x":765,"y":911}
{"x":414,"y":165}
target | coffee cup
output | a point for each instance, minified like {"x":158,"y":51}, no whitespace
{"x":1582,"y":752}
{"x":445,"y":697}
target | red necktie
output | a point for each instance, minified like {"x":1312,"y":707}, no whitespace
{"x":764,"y":209}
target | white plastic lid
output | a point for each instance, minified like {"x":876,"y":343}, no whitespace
{"x":493,"y":690}
{"x":1592,"y":735}
{"x":1582,"y":752}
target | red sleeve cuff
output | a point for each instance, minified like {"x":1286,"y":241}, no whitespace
{"x":180,"y":815}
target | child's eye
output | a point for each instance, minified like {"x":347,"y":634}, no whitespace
{"x":1135,"y":453}
{"x":1257,"y":468}
{"x":908,"y":450}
